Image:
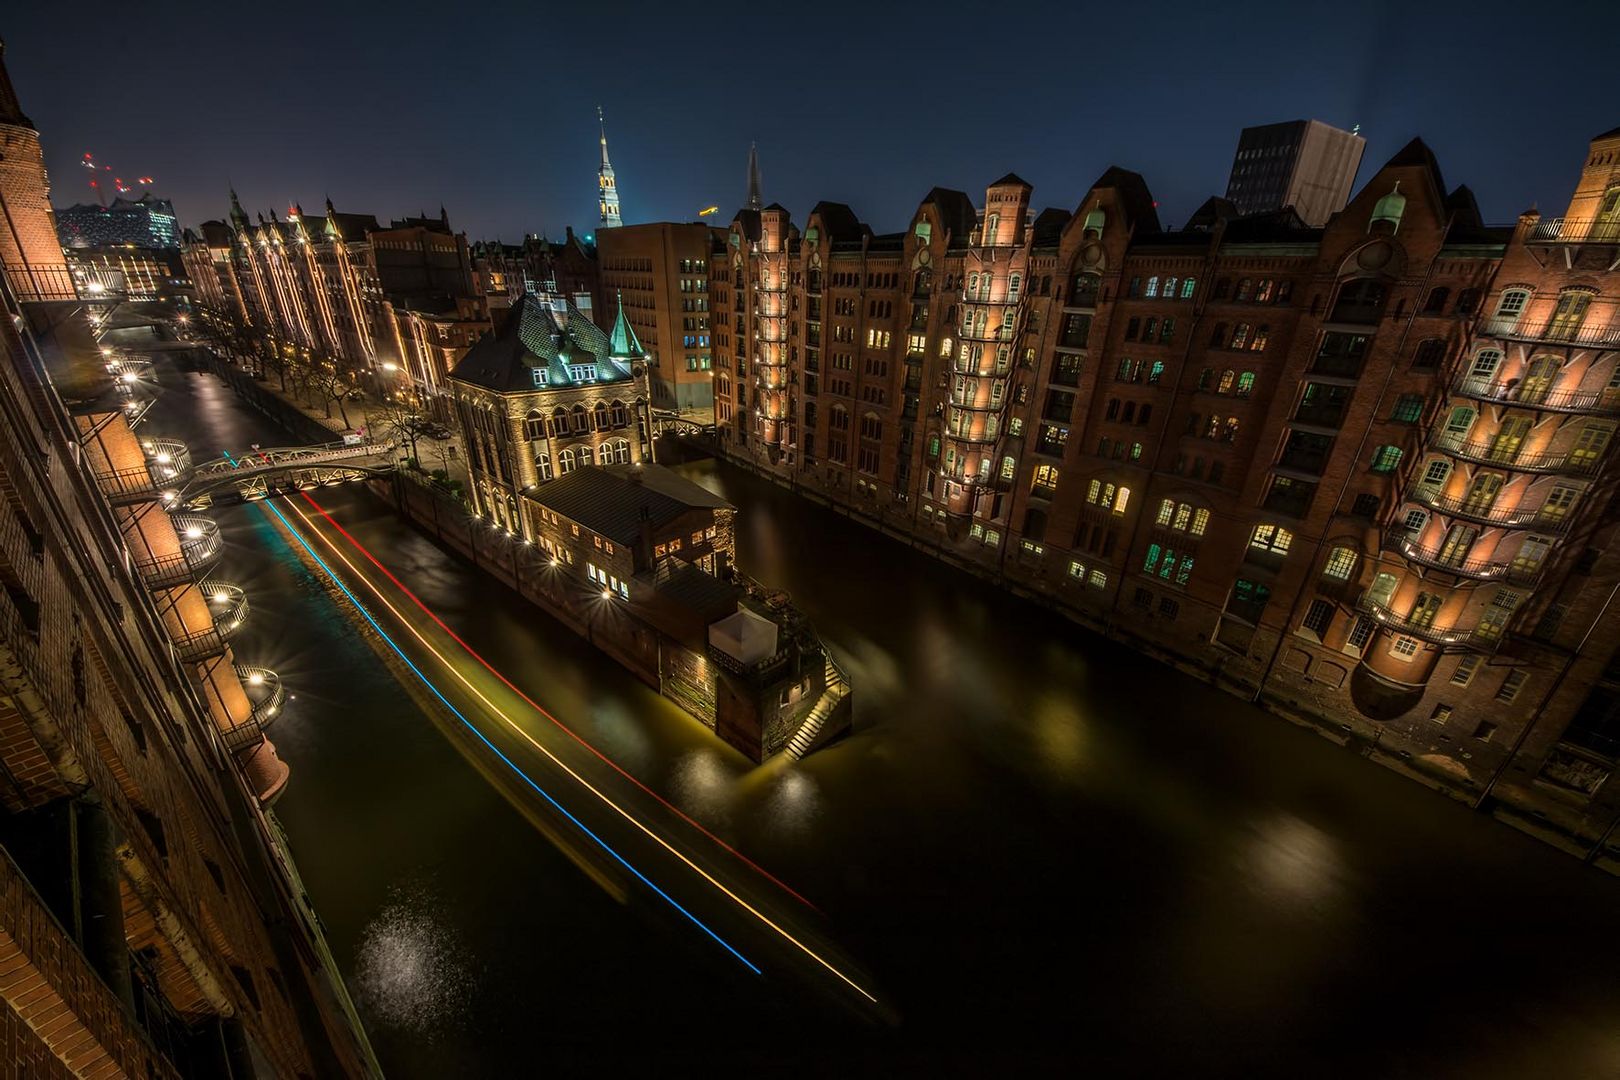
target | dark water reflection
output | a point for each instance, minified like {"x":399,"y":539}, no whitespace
{"x":1041,"y":844}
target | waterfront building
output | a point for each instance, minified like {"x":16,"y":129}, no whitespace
{"x":660,"y":274}
{"x":146,"y":222}
{"x":150,"y":923}
{"x":569,"y":268}
{"x":1305,"y":463}
{"x":128,"y":272}
{"x":548,"y":392}
{"x":1303,"y":164}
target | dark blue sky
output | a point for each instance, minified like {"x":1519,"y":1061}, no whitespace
{"x":392,"y":108}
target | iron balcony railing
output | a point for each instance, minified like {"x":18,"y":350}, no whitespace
{"x":1575,"y":231}
{"x":1455,"y":637}
{"x":1515,"y":518}
{"x":228,"y":609}
{"x":244,"y":736}
{"x":31,"y":282}
{"x":166,"y":459}
{"x":200,"y":547}
{"x":1488,"y":453}
{"x":1477,"y":569}
{"x":265,"y":690}
{"x":1555,"y":333}
{"x":1603,"y":402}
{"x":125,"y":486}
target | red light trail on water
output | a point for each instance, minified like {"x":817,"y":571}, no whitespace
{"x":615,"y":766}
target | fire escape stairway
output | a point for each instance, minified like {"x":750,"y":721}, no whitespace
{"x":810,"y":730}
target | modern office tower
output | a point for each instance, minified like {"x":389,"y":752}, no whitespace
{"x":1305,"y":164}
{"x":658,"y":274}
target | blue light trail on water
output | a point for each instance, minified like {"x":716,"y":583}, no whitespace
{"x":361,"y":608}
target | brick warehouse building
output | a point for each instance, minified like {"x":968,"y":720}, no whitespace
{"x":150,"y":921}
{"x":1359,"y":473}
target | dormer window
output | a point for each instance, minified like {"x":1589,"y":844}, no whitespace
{"x":542,"y":377}
{"x":581,"y":373}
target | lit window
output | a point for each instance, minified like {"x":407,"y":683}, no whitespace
{"x":1271,"y":538}
{"x":1386,"y":459}
{"x":1341,"y":563}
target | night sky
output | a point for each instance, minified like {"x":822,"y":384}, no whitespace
{"x":491,"y":108}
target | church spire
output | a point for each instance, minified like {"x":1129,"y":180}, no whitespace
{"x":756,"y":201}
{"x":607,"y":189}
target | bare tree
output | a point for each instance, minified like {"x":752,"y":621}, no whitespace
{"x":409,"y":427}
{"x":332,"y":384}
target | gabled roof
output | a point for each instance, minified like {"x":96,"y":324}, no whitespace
{"x":1214,"y":209}
{"x":1611,"y":133}
{"x":1048,"y":227}
{"x":1416,"y":154}
{"x":956,"y":213}
{"x":1134,"y":193}
{"x":1012,"y":180}
{"x":839,"y":221}
{"x":615,"y":500}
{"x":551,"y":335}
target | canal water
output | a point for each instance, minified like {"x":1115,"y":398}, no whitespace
{"x":1053,"y":855}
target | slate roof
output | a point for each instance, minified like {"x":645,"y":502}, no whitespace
{"x":610,"y":499}
{"x":956,"y":213}
{"x":532,"y":337}
{"x":1011,"y":179}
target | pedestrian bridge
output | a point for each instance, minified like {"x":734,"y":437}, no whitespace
{"x":258,"y":473}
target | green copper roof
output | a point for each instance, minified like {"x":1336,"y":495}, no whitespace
{"x":553,"y":337}
{"x":624,"y":342}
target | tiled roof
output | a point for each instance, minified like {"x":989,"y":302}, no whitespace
{"x":535,"y":335}
{"x":610,"y":500}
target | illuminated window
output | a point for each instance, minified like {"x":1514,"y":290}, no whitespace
{"x":1386,"y":459}
{"x":1273,"y":539}
{"x":1341,"y":563}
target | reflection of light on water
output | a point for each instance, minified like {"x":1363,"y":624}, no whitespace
{"x":793,"y":805}
{"x":1060,"y":733}
{"x":700,"y":785}
{"x":412,"y":972}
{"x":1293,"y":860}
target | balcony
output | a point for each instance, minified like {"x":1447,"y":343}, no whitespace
{"x":1455,"y":637}
{"x":228,"y":608}
{"x":1555,"y":333}
{"x":1514,"y":518}
{"x":166,"y":459}
{"x":1592,"y":402}
{"x":265,"y":690}
{"x":1476,"y":569}
{"x":200,"y":548}
{"x":1575,"y":231}
{"x":125,"y":486}
{"x":1487,"y":453}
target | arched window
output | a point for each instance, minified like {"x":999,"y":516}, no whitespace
{"x":1435,"y":473}
{"x":1228,"y":377}
{"x":1511,"y":306}
{"x":601,"y":416}
{"x":582,"y":420}
{"x":1386,"y":459}
{"x":1341,"y":563}
{"x":1460,"y":421}
{"x":973,"y":286}
{"x":1258,"y":342}
{"x":1436,"y":303}
{"x":621,"y":415}
{"x":1360,"y":301}
{"x":1229,"y":433}
{"x":871,"y":427}
{"x":1245,"y":384}
{"x":1046,"y":479}
{"x":565,"y":462}
{"x":1014,"y":283}
{"x":1217,"y":339}
{"x":559,"y":423}
{"x":1169,"y":288}
{"x":604,"y":454}
{"x":534,"y":425}
{"x":542,"y":466}
{"x":1485,"y":364}
{"x":1262,"y":293}
{"x":1240,"y":336}
{"x":621,"y":451}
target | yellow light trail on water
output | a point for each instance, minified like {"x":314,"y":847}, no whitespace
{"x":532,"y":741}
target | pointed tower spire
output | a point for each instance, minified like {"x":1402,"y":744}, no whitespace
{"x":756,"y":201}
{"x":625,"y":344}
{"x":607,"y":188}
{"x":239,"y":218}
